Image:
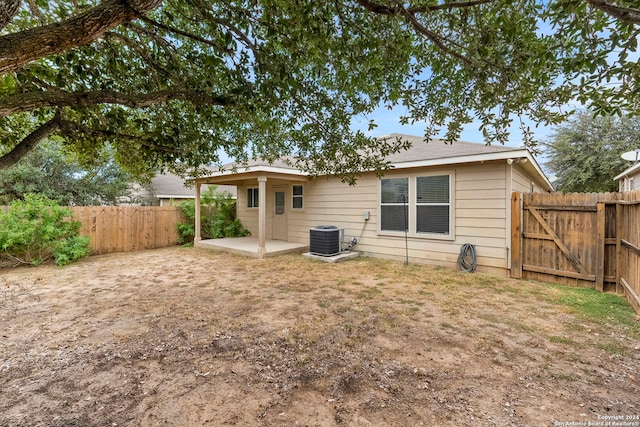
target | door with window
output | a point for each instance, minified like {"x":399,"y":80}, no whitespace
{"x":279,"y":226}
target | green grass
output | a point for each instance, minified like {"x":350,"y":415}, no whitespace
{"x":409,"y":302}
{"x":368,"y":293}
{"x":604,"y":308}
{"x":561,"y":340}
{"x":611,"y":348}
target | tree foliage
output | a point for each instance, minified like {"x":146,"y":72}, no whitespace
{"x":36,"y":230}
{"x":49,"y":171}
{"x":218,"y":217}
{"x":170,"y":83}
{"x":585,"y":152}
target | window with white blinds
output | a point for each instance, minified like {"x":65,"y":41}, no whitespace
{"x":394,"y":193}
{"x":419,"y":205}
{"x":252,"y":197}
{"x":433,"y":204}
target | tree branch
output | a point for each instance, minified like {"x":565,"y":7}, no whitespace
{"x":381,"y":9}
{"x":8,"y":9}
{"x":195,"y":37}
{"x":203,"y":9}
{"x":70,"y":128}
{"x":28,"y":101}
{"x":410,"y":15}
{"x":448,"y":6}
{"x":137,"y":48}
{"x":25,"y":146}
{"x":169,"y":49}
{"x":20,"y":48}
{"x":435,"y":38}
{"x":626,"y":14}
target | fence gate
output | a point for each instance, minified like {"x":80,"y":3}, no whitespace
{"x":566,"y":238}
{"x":580,"y":239}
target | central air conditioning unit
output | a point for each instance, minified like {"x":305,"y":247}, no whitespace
{"x":325,"y":240}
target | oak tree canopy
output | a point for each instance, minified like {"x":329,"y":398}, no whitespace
{"x":170,"y":83}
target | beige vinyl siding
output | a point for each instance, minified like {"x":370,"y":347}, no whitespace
{"x":479,"y":212}
{"x":629,"y":183}
{"x":482,"y":212}
{"x":327,"y":201}
{"x":247,"y":216}
{"x":522,"y":182}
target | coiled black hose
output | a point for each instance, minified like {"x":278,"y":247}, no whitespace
{"x":467,"y":260}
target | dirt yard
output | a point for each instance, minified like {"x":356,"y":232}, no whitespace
{"x":188,"y":337}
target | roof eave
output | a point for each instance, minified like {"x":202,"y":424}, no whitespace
{"x":515,"y":154}
{"x":174,"y":196}
{"x":520,"y":153}
{"x":627,"y":171}
{"x":260,"y":168}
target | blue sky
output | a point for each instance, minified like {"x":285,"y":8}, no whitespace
{"x":388,"y":121}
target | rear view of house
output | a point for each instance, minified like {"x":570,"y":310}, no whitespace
{"x":436,"y":198}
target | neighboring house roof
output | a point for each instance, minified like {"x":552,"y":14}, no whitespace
{"x":170,"y":186}
{"x":629,"y":171}
{"x":421,"y":154}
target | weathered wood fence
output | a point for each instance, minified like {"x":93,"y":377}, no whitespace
{"x":128,"y":228}
{"x":581,"y":239}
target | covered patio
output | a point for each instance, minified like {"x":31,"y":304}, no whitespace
{"x":249,"y":246}
{"x":266,"y":212}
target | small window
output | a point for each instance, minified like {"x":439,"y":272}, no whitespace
{"x":394,"y":194}
{"x":252,"y":197}
{"x":298,"y":196}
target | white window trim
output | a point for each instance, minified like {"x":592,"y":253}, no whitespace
{"x":258,"y":190}
{"x":411,"y":206}
{"x":379,"y":200}
{"x":294,"y":196}
{"x":416,"y":204}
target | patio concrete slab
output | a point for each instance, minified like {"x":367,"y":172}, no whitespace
{"x":248,"y":246}
{"x":334,"y":258}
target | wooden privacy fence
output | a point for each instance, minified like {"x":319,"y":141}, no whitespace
{"x":582,"y":239}
{"x":128,"y":228}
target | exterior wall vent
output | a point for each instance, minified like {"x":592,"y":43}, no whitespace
{"x":325,"y":240}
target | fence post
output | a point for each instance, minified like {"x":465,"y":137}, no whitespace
{"x":516,"y":236}
{"x":600,"y":244}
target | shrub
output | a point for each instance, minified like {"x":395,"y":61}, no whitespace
{"x":37,"y":230}
{"x":218,"y":217}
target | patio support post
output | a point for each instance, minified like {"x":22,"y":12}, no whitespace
{"x":262,"y":215}
{"x":198,"y":235}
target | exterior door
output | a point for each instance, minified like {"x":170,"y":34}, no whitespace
{"x":280,"y":214}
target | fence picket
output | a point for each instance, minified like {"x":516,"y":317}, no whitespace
{"x":583,"y":239}
{"x":128,"y":228}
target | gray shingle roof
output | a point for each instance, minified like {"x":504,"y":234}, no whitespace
{"x":420,"y":150}
{"x":278,"y":163}
{"x":438,"y":149}
{"x":169,"y":185}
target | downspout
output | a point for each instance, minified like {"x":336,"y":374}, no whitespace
{"x":507,"y":231}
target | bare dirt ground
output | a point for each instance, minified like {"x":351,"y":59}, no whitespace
{"x":189,"y":337}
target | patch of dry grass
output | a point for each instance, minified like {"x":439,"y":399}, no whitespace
{"x":288,"y":341}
